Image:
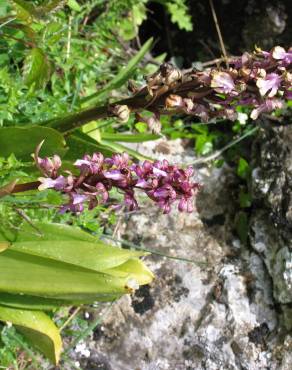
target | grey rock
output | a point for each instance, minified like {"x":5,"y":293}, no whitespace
{"x":271,"y":222}
{"x":215,"y":313}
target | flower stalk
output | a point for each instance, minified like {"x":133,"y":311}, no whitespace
{"x":260,"y":81}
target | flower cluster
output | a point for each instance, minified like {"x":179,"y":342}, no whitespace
{"x":261,"y":81}
{"x":160,"y":181}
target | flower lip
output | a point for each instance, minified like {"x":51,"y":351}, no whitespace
{"x":48,"y":183}
{"x":114,"y":175}
{"x":222,"y":82}
{"x":270,"y":84}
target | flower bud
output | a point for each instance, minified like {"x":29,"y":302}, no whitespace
{"x":170,"y":73}
{"x":222,"y":82}
{"x":189,"y":105}
{"x":173,"y":101}
{"x":122,"y":112}
{"x":244,"y":72}
{"x":174,"y":76}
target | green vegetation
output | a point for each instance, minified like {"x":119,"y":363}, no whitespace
{"x":61,"y":63}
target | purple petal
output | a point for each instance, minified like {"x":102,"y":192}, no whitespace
{"x":269,"y":84}
{"x":141,"y":183}
{"x":159,"y":172}
{"x":114,"y":175}
{"x":47,"y":183}
{"x":78,"y":198}
{"x":222,"y":82}
{"x":131,"y":202}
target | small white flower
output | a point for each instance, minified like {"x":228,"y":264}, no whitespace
{"x":242,"y":118}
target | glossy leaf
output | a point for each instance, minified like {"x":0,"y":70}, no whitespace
{"x":36,"y":69}
{"x":71,"y":245}
{"x":64,"y":262}
{"x":133,"y":269}
{"x":22,"y":273}
{"x":22,"y":141}
{"x":93,"y":256}
{"x":30,"y":302}
{"x":38,"y":328}
{"x":80,"y":143}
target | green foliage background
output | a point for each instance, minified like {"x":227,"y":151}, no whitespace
{"x":57,"y":57}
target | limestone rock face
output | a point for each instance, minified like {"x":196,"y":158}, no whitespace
{"x":271,"y":223}
{"x":217,"y":307}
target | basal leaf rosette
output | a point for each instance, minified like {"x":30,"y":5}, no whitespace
{"x":61,"y":265}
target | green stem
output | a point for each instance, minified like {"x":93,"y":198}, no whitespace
{"x":73,"y":121}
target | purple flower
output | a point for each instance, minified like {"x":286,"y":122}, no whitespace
{"x":130,"y":201}
{"x":160,"y":181}
{"x":48,"y":166}
{"x":59,"y":183}
{"x":78,"y":208}
{"x":267,"y":106}
{"x":114,"y":175}
{"x":78,"y":198}
{"x":165,"y":192}
{"x":288,"y":95}
{"x":90,"y":165}
{"x":144,"y":169}
{"x":186,"y":205}
{"x":280,"y":53}
{"x":119,"y":160}
{"x":222,"y":82}
{"x":270,"y":84}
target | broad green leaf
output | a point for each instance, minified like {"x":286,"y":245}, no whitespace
{"x":119,"y":148}
{"x":22,"y":141}
{"x":134,"y":269}
{"x":38,"y":328}
{"x":56,"y":243}
{"x":47,"y":304}
{"x":64,"y":265}
{"x":30,"y":302}
{"x":54,"y":232}
{"x":121,"y":77}
{"x":36,"y":69}
{"x":80,"y":143}
{"x":128,"y":138}
{"x":93,"y":256}
{"x":22,"y":273}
